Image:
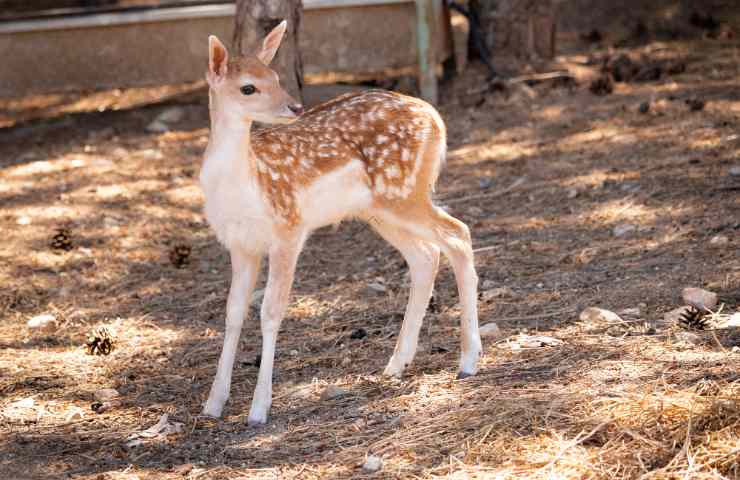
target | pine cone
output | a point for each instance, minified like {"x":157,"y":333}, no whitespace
{"x":604,"y":85}
{"x":99,"y":342}
{"x":180,"y":255}
{"x":693,"y":319}
{"x":62,"y":240}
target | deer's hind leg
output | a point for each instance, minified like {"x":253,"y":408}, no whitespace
{"x":453,"y":237}
{"x":432,"y":224}
{"x":423,"y":260}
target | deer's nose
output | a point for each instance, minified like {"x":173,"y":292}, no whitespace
{"x":296,"y":108}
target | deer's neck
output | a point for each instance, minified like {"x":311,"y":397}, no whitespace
{"x":234,"y":203}
{"x":229,"y":153}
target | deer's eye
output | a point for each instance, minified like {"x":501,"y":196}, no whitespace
{"x":248,"y":89}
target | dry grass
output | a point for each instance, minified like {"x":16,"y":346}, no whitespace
{"x":613,"y":401}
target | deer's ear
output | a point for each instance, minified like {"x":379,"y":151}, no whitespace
{"x":271,"y":43}
{"x":218,"y":57}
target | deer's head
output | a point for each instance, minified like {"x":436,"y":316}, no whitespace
{"x":245,"y":87}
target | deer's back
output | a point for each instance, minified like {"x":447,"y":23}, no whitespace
{"x":386,"y":132}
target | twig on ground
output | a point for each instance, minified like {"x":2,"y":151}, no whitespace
{"x":519,"y":181}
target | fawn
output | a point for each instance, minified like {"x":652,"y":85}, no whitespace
{"x":373,"y":155}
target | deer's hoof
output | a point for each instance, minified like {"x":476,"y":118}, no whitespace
{"x":256,"y":422}
{"x":464,"y":375}
{"x":213,"y":409}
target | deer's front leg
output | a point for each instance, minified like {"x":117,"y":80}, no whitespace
{"x":244,"y":271}
{"x":283,"y":258}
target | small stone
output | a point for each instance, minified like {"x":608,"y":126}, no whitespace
{"x":734,"y":320}
{"x":42,"y":321}
{"x":644,"y":107}
{"x":377,"y":287}
{"x":534,"y":341}
{"x":595,"y":314}
{"x":571,"y":193}
{"x":735,"y":349}
{"x":372,"y":464}
{"x":488,"y":284}
{"x":105,"y":394}
{"x":23,"y":220}
{"x":700,"y":298}
{"x":623,"y":229}
{"x":157,"y":127}
{"x":735,"y":171}
{"x":74,"y":413}
{"x":294,"y":353}
{"x":719,"y":240}
{"x":630,"y":312}
{"x":500,"y":292}
{"x":689,"y":337}
{"x":489,"y":330}
{"x":171,"y":115}
{"x":332,"y":391}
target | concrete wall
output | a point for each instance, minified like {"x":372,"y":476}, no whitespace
{"x":360,"y":39}
{"x":113,"y":56}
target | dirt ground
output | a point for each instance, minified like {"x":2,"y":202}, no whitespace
{"x":542,"y":175}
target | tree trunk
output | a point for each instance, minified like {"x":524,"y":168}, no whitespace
{"x":255,"y":19}
{"x":517,"y":28}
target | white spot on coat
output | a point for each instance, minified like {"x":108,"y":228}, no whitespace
{"x":379,"y":185}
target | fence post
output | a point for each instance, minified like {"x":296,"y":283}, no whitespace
{"x":426,"y":23}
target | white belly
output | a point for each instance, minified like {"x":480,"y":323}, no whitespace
{"x":335,"y":196}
